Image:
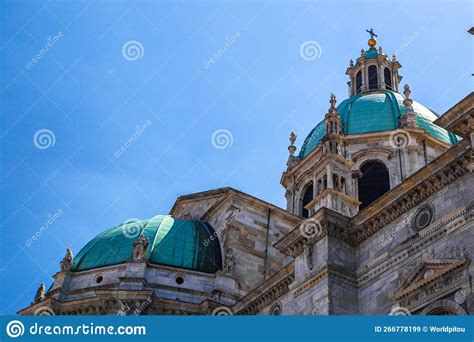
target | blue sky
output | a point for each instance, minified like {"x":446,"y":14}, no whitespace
{"x":232,"y":67}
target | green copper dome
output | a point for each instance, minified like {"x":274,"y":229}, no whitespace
{"x":173,"y":242}
{"x":377,"y":111}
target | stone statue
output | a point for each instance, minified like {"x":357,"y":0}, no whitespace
{"x":39,"y":296}
{"x":308,"y":254}
{"x":66,"y":263}
{"x":229,"y":261}
{"x":140,"y":247}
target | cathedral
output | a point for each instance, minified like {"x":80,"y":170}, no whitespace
{"x":378,"y":221}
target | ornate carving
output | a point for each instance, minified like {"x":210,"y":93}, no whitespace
{"x":66,"y":263}
{"x":446,"y":276}
{"x":229,"y":262}
{"x":39,"y":296}
{"x":308,"y":254}
{"x":140,"y":247}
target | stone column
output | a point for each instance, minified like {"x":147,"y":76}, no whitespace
{"x":329,"y":172}
{"x":382,"y":77}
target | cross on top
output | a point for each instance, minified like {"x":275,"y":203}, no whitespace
{"x":372,"y":33}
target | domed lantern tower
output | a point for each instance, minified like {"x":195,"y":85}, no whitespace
{"x":365,"y":146}
{"x":373,"y":70}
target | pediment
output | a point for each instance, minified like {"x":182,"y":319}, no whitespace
{"x":432,"y":279}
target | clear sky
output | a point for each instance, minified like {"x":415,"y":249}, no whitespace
{"x":108,"y":109}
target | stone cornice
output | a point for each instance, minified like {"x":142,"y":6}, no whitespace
{"x":443,"y":171}
{"x":335,"y":193}
{"x":459,"y":118}
{"x":267,"y":292}
{"x":230,"y":196}
{"x":329,"y":223}
{"x":322,"y":272}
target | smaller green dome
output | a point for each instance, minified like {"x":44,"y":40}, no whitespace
{"x":371,"y":53}
{"x":374,"y":111}
{"x":173,"y":242}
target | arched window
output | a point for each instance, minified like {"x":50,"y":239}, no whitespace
{"x":358,"y":82}
{"x":373,"y":84}
{"x":387,"y":75}
{"x":373,"y":183}
{"x":307,"y":197}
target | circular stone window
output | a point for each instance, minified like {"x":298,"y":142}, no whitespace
{"x":424,"y":217}
{"x":179,"y":279}
{"x":99,"y":279}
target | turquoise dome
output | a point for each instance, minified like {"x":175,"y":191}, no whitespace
{"x":374,"y":111}
{"x":177,"y":243}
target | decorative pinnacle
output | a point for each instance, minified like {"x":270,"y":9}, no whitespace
{"x":407,"y":102}
{"x":362,"y":52}
{"x":394,"y":58}
{"x":332,"y":100}
{"x":351,"y":63}
{"x":292,"y":147}
{"x":380,"y":50}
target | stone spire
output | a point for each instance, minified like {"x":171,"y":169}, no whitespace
{"x":333,"y":139}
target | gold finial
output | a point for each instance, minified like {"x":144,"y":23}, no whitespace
{"x":372,"y":41}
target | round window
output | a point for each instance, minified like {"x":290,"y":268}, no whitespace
{"x":424,"y":217}
{"x":179,"y":279}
